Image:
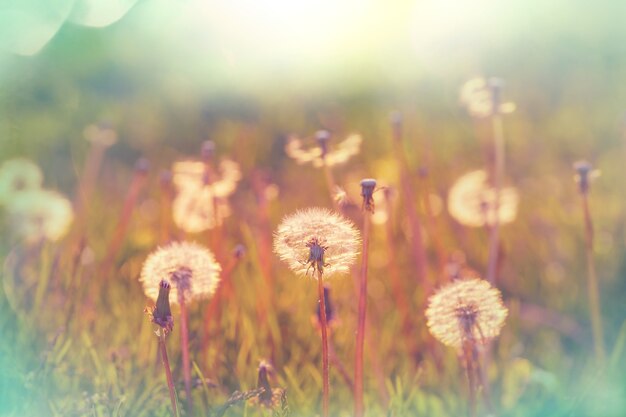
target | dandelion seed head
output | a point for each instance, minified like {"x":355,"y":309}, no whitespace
{"x":472,"y":202}
{"x":314,"y":238}
{"x":37,"y":215}
{"x":465,"y":309}
{"x":195,"y":211}
{"x":18,"y":175}
{"x":319,"y":155}
{"x":190,"y":268}
{"x":100,"y":134}
{"x":482,"y":98}
{"x":192,"y":175}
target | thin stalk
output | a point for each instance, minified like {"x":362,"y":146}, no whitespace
{"x":398,"y":291}
{"x":435,"y":229}
{"x":184,"y":334}
{"x":360,"y":333}
{"x":468,"y":357}
{"x":418,"y":251}
{"x":339,"y":365}
{"x":324,"y":326}
{"x":139,"y":180}
{"x":483,"y":382}
{"x":168,"y":372}
{"x":592,"y":285}
{"x":330,"y":184}
{"x":494,"y":236}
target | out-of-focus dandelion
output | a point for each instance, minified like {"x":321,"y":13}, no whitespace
{"x":465,"y":314}
{"x":101,"y":136}
{"x":465,"y":309}
{"x":471,"y":201}
{"x":191,"y":175}
{"x":195,"y":274}
{"x":584,"y":175}
{"x":161,"y":315}
{"x":198,"y":210}
{"x":483,"y":98}
{"x":317,"y":239}
{"x":17,"y":175}
{"x":200,"y":203}
{"x":321,"y":153}
{"x":477,"y":95}
{"x":322,"y":241}
{"x":38,"y":215}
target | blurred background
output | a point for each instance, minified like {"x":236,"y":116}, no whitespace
{"x":168,"y":75}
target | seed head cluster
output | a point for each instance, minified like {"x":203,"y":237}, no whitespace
{"x":465,"y":309}
{"x":189,"y":267}
{"x":317,"y":239}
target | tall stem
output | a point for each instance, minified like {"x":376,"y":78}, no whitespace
{"x":330,"y":184}
{"x":592,"y":286}
{"x":168,"y":372}
{"x":324,"y":325}
{"x":468,"y":356}
{"x":360,"y":332}
{"x":418,"y":251}
{"x":398,"y":290}
{"x":184,"y":333}
{"x":494,"y":237}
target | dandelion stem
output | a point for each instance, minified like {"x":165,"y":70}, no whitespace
{"x":398,"y":290}
{"x":168,"y":372}
{"x":468,"y":356}
{"x":592,"y":285}
{"x":417,"y":244}
{"x":330,"y":184}
{"x":324,"y":326}
{"x":184,"y":333}
{"x":494,"y":236}
{"x":139,"y":180}
{"x":360,"y":333}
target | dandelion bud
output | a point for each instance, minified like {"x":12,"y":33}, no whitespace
{"x":330,"y":310}
{"x":142,"y":166}
{"x":165,"y":178}
{"x":207,"y":150}
{"x":162,"y":314}
{"x":396,"y":123}
{"x":368,"y":186}
{"x":322,"y":137}
{"x":102,"y":134}
{"x":263,"y":382}
{"x":239,"y":251}
{"x":584,"y":175}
